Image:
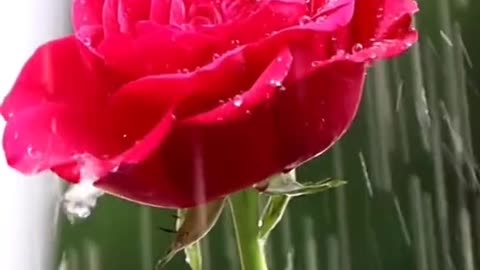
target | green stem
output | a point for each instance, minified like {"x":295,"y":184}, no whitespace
{"x":244,"y":208}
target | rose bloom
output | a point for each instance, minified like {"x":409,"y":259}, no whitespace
{"x":176,"y":103}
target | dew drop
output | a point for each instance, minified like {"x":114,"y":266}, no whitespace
{"x":379,"y":13}
{"x":316,"y":63}
{"x":86,"y":40}
{"x":237,"y":101}
{"x":215,"y":56}
{"x":321,"y":18}
{"x":124,"y":136}
{"x":235,"y":42}
{"x":357,"y":47}
{"x":278,"y":85}
{"x":32,"y":152}
{"x":183,"y":70}
{"x":305,"y":19}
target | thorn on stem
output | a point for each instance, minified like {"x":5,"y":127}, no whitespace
{"x":167,"y":230}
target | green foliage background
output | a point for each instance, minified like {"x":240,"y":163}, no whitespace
{"x":418,"y":134}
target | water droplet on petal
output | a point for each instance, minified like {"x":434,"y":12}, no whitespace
{"x":278,"y":85}
{"x":379,"y":13}
{"x":316,"y":63}
{"x":305,"y":19}
{"x":357,"y":47}
{"x":235,"y":42}
{"x":183,"y":70}
{"x":32,"y":152}
{"x":321,"y":18}
{"x":237,"y":101}
{"x":86,"y":40}
{"x":215,"y":56}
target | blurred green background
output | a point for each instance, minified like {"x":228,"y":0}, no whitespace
{"x":412,"y":201}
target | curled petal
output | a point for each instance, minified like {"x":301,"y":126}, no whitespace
{"x":167,"y":11}
{"x":286,"y":129}
{"x":86,"y":13}
{"x":377,"y":20}
{"x":50,"y":135}
{"x":62,"y":71}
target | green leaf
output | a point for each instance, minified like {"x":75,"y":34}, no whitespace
{"x":298,"y":189}
{"x":193,"y":253}
{"x":272,"y":214}
{"x":281,"y":188}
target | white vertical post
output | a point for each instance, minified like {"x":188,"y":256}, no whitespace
{"x":27,"y":204}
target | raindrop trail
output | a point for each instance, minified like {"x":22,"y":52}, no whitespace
{"x":365,"y":174}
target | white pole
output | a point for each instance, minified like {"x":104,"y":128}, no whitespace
{"x":28,"y":205}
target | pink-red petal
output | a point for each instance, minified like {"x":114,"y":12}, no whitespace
{"x":205,"y":159}
{"x":62,"y":71}
{"x":49,"y":135}
{"x":86,"y":13}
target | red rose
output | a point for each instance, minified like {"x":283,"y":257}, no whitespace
{"x":174,"y":103}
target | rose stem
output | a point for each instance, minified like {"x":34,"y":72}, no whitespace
{"x":245,"y":215}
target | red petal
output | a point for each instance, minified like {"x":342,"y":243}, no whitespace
{"x":49,"y":135}
{"x":62,"y":71}
{"x":157,"y":49}
{"x":87,"y":13}
{"x":168,"y":11}
{"x":127,"y":128}
{"x":261,"y":20}
{"x":374,"y":18}
{"x":383,"y":27}
{"x":207,"y":157}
